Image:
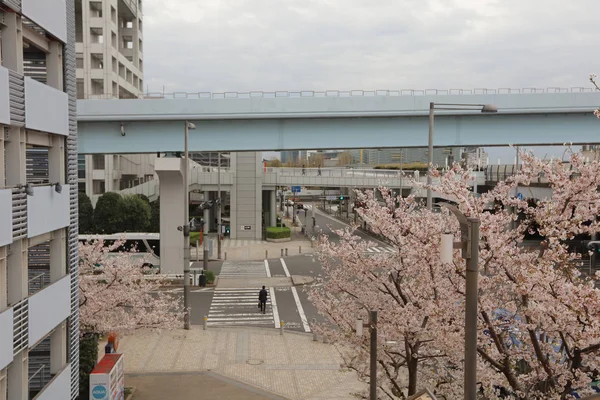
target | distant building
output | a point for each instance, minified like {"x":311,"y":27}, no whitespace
{"x":289,"y":156}
{"x":475,"y":157}
{"x":591,"y":153}
{"x":441,"y":156}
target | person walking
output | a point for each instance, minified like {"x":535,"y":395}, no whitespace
{"x":303,"y":169}
{"x":262,"y":300}
{"x":319,"y":171}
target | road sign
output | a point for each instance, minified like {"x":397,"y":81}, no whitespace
{"x":520,"y":196}
{"x":296,"y":189}
{"x":246,"y":227}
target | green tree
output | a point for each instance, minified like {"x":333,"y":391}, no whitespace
{"x":143,"y":197}
{"x":155,"y":216}
{"x":109,"y":212}
{"x":136,"y":214}
{"x":88,"y":356}
{"x":86,"y":214}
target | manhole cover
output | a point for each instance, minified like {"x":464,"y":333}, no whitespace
{"x":255,"y":362}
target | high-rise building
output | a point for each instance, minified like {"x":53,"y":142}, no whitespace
{"x":109,"y":54}
{"x":39,"y":303}
{"x":441,"y":155}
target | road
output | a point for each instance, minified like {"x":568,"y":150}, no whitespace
{"x":239,"y":306}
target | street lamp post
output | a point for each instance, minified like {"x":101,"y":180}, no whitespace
{"x":186,"y":229}
{"x":469,"y":244}
{"x":219,"y":200}
{"x":484,"y":108}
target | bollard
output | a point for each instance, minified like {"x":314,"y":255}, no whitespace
{"x":281,"y":252}
{"x":266,"y":254}
{"x":314,"y":321}
{"x":205,"y":321}
{"x":299,"y":249}
{"x":286,"y":253}
{"x":281,"y":328}
{"x":225,"y":256}
{"x":197,"y":250}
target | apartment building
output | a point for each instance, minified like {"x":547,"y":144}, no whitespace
{"x":39,"y":303}
{"x":109,"y":51}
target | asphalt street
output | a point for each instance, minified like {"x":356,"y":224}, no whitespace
{"x":239,"y":306}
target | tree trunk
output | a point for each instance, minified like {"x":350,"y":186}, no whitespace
{"x":412,"y":375}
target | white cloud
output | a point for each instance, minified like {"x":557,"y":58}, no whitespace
{"x":240,"y":45}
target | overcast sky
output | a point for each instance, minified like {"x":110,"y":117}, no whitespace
{"x":243,"y":45}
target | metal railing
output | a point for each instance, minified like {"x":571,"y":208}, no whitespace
{"x":38,"y":379}
{"x":38,"y":282}
{"x":19,"y":213}
{"x":361,"y":93}
{"x":20,"y":326}
{"x":341,"y":172}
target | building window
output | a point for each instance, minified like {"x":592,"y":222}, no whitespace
{"x":79,"y":61}
{"x":96,"y":35}
{"x":96,"y":9}
{"x":80,"y":89}
{"x":99,"y":187}
{"x":81,"y":187}
{"x":97,"y":60}
{"x":98,"y":161}
{"x":113,"y":15}
{"x":113,"y":39}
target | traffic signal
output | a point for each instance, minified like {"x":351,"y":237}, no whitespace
{"x":227,"y":230}
{"x":593,"y":245}
{"x":342,"y":198}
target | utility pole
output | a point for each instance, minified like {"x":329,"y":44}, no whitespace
{"x":219,"y":207}
{"x":205,"y":234}
{"x":186,"y":230}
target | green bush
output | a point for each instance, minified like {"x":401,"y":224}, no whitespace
{"x":210,"y":276}
{"x":154,"y":216}
{"x":275,"y":232}
{"x":88,"y":356}
{"x":193,"y":237}
{"x":108,"y":215}
{"x":136,"y":214}
{"x":86,"y":214}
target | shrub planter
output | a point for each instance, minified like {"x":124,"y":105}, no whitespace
{"x":278,"y":234}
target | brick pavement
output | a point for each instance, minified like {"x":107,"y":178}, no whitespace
{"x":292,"y":366}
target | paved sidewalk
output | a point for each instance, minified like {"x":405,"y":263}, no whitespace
{"x":291,"y":366}
{"x":256,"y":251}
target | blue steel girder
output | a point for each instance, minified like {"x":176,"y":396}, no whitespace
{"x":333,"y":123}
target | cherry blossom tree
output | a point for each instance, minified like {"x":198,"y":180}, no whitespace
{"x":538,"y":315}
{"x":116,"y":294}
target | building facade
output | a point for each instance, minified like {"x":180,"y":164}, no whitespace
{"x":441,"y":155}
{"x":39,"y":303}
{"x":109,"y":59}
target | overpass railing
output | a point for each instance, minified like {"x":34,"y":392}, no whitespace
{"x":341,"y":172}
{"x":361,"y":93}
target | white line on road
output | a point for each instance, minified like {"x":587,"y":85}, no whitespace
{"x":274,"y":307}
{"x":267,"y":269}
{"x":300,"y":310}
{"x":285,"y":269}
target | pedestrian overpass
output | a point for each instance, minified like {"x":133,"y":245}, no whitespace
{"x":333,"y":120}
{"x":251,"y":123}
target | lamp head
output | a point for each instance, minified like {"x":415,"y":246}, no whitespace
{"x":190,"y":125}
{"x":489,"y":108}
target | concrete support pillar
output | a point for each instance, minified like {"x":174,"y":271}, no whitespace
{"x":54,"y":66}
{"x":56,"y":160}
{"x":169,"y":171}
{"x":12,"y":42}
{"x":16,"y":172}
{"x":58,"y":256}
{"x":17,"y":272}
{"x":58,"y":348}
{"x":208,"y":223}
{"x":273,"y":208}
{"x":18,"y":377}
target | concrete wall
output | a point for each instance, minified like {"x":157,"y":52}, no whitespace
{"x":171,"y":214}
{"x":246,"y":196}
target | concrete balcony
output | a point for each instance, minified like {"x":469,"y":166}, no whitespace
{"x":6,"y":337}
{"x":59,"y":387}
{"x":6,"y":216}
{"x":4,"y":97}
{"x":48,"y":308}
{"x":46,"y":109}
{"x":47,"y":210}
{"x":48,"y":14}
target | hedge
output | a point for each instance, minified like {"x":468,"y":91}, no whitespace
{"x":275,"y":232}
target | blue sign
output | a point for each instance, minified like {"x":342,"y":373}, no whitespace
{"x":99,"y":392}
{"x":296,"y":189}
{"x":520,"y":196}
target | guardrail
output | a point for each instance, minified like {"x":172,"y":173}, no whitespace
{"x":342,"y":172}
{"x":360,"y":93}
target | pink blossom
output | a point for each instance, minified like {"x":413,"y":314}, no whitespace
{"x":117,"y":295}
{"x":539,"y":314}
